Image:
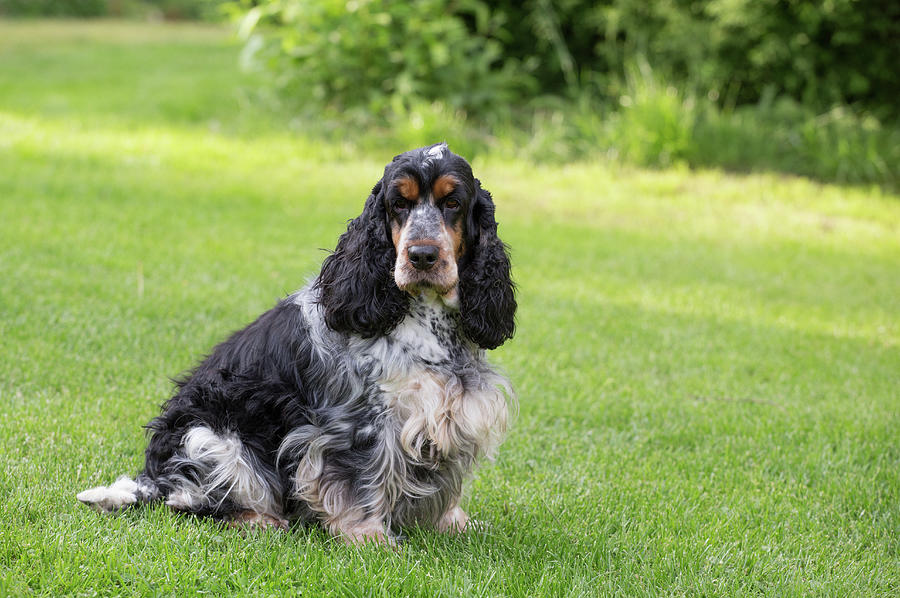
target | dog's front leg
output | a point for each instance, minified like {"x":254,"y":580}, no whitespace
{"x":453,"y":521}
{"x":344,"y":516}
{"x":256,"y":520}
{"x":361,"y":532}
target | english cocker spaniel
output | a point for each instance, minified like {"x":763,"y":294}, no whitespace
{"x":362,"y":401}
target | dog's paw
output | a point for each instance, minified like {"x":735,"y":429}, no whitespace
{"x":110,"y":498}
{"x":368,"y":533}
{"x":454,"y":521}
{"x":250,"y":520}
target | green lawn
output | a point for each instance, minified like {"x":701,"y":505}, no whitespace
{"x":708,"y":365}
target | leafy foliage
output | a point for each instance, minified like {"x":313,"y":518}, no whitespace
{"x":374,"y":56}
{"x":480,"y":56}
{"x":819,"y":52}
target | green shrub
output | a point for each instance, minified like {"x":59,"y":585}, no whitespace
{"x":376,"y":57}
{"x":654,"y":124}
{"x":819,"y":52}
{"x":480,"y":55}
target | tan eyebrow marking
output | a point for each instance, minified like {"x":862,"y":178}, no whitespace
{"x":408,"y":188}
{"x":444,"y":185}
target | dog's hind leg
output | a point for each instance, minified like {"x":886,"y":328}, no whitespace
{"x":122,"y":493}
{"x":214,"y":474}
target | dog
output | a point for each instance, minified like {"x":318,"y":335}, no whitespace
{"x":363,"y":401}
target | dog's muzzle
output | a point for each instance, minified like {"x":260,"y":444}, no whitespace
{"x":425,"y":253}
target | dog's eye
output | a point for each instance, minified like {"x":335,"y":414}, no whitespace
{"x":451,"y":204}
{"x":401,"y":205}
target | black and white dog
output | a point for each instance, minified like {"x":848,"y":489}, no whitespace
{"x":362,"y":401}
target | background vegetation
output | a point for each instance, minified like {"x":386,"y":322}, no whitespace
{"x":819,"y":53}
{"x":144,"y":9}
{"x":807,"y":87}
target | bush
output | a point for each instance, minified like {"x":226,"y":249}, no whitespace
{"x":379,"y":57}
{"x":738,"y":88}
{"x":821,"y":53}
{"x":479,"y":56}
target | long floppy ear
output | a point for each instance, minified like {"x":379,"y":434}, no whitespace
{"x":487,"y":299}
{"x":357,"y":289}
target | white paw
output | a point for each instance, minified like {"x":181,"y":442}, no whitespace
{"x":110,"y":498}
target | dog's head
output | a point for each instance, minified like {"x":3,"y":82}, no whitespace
{"x":428,"y":226}
{"x":429,"y":192}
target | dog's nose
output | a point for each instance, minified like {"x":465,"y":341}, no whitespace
{"x":423,"y":257}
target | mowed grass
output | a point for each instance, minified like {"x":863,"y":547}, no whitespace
{"x":707,"y":365}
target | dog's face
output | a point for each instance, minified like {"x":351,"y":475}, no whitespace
{"x":428,"y":194}
{"x":427,"y":226}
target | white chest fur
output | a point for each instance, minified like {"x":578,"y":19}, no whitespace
{"x":445,"y":400}
{"x":438,"y":418}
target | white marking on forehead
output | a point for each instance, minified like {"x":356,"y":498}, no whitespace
{"x":434,"y":153}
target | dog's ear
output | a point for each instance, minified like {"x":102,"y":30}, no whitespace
{"x":487,"y":299}
{"x":356,"y":285}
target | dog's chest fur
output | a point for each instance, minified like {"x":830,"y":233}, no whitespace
{"x":444,"y":408}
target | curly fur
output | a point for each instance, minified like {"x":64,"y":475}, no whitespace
{"x":357,"y":287}
{"x":486,"y":291}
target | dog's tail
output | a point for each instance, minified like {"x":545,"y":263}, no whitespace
{"x":122,"y":493}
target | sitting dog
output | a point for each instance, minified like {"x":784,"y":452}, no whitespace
{"x":362,"y":401}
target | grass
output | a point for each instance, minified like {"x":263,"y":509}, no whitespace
{"x":708,"y":365}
